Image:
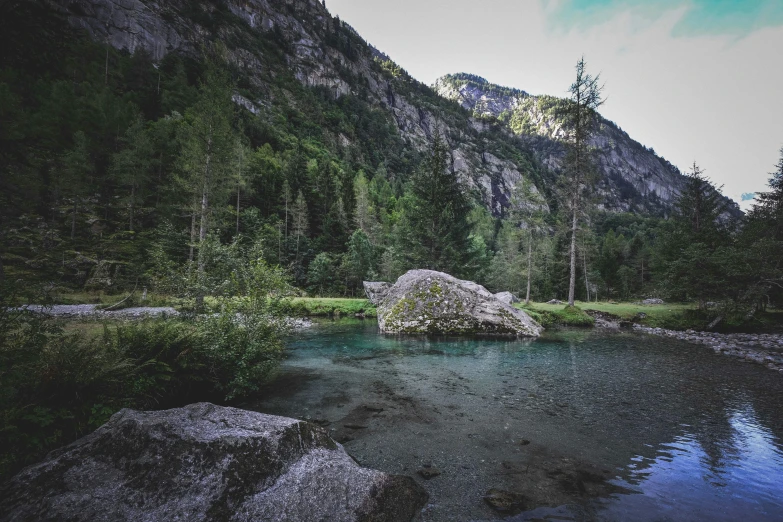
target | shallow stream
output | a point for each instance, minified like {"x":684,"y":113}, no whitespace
{"x":577,"y":425}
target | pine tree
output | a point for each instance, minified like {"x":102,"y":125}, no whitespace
{"x":769,"y":206}
{"x":693,"y":251}
{"x":578,"y":176}
{"x":364,"y":217}
{"x":131,"y":167}
{"x":74,"y":182}
{"x":299,"y":220}
{"x":437,"y":235}
{"x":242,"y":174}
{"x":528,"y":208}
{"x":206,"y":139}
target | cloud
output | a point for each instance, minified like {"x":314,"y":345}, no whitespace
{"x":701,"y":17}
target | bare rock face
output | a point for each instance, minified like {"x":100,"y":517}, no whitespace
{"x":205,"y":462}
{"x":425,"y":301}
{"x":507,"y":297}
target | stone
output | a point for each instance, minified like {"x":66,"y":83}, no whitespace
{"x":507,"y":297}
{"x":653,"y":301}
{"x":554,"y":302}
{"x":426,"y":301}
{"x":205,"y":462}
{"x":376,"y":291}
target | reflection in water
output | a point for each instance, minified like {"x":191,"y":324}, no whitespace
{"x":580,"y":425}
{"x":739,"y":478}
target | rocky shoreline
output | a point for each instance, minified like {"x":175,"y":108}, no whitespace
{"x":766,"y":349}
{"x":91,"y":311}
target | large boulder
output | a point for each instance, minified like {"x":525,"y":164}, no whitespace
{"x":205,"y":462}
{"x":507,"y":297}
{"x":425,"y":301}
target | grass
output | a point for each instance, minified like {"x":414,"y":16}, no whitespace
{"x":673,"y":316}
{"x":328,"y":306}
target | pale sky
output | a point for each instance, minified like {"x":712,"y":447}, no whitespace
{"x":696,"y":80}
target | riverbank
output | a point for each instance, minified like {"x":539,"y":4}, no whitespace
{"x":766,"y":349}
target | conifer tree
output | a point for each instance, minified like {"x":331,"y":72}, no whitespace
{"x":578,"y":177}
{"x":206,"y":139}
{"x":299,"y":220}
{"x":73,"y":184}
{"x":131,"y":166}
{"x":692,"y":254}
{"x":437,"y":235}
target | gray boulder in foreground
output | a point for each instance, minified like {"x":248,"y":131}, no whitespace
{"x":425,"y":301}
{"x":507,"y":297}
{"x":206,"y":462}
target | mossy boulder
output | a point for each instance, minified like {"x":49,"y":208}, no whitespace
{"x":426,"y":301}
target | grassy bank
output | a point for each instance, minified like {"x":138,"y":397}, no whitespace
{"x":675,"y":316}
{"x":327,"y":306}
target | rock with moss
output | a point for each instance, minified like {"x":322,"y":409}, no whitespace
{"x":205,"y":462}
{"x":425,"y":301}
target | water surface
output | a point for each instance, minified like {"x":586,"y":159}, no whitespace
{"x":580,"y":425}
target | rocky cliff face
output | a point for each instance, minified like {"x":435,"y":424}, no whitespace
{"x":631,"y":176}
{"x":321,"y":52}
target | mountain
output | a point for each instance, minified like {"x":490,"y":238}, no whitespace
{"x":632,"y":177}
{"x":327,"y":55}
{"x":323,"y":54}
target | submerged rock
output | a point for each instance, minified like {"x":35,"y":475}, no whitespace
{"x":425,"y":301}
{"x":205,"y":462}
{"x":507,"y":297}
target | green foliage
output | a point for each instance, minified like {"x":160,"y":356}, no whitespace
{"x":56,"y":386}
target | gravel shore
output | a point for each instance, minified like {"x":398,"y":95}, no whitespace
{"x":766,"y":349}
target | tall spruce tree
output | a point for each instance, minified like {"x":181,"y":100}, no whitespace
{"x":438,"y":231}
{"x":578,"y":176}
{"x":694,"y":249}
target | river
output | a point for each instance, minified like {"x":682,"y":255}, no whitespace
{"x":577,"y":425}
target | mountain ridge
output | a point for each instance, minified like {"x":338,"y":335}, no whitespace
{"x":633,"y":177}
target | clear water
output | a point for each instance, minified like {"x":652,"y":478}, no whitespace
{"x":582,"y":425}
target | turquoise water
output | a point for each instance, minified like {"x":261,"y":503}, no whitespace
{"x":579,"y":425}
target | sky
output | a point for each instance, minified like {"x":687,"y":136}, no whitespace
{"x":697,"y":80}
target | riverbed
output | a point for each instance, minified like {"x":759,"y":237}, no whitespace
{"x":576,"y":425}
